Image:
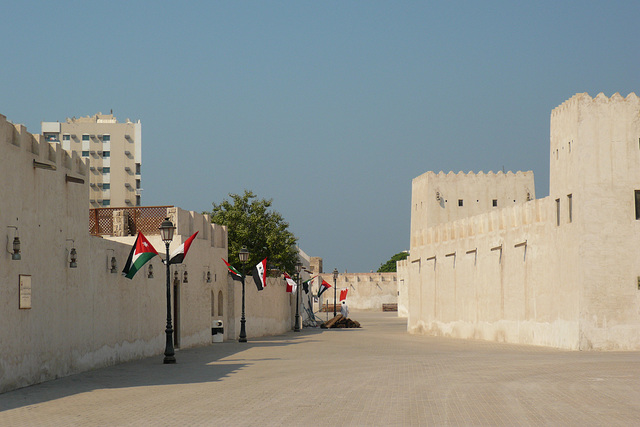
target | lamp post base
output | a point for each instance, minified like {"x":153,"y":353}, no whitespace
{"x":243,"y":333}
{"x":297,"y":326}
{"x":169,"y":352}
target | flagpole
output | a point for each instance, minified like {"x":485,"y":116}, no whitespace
{"x":298,"y":269}
{"x":335,"y":290}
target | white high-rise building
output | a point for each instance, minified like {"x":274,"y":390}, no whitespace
{"x":114,"y":151}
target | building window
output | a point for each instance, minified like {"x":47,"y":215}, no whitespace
{"x":106,"y":154}
{"x":637,"y":204}
{"x":85,"y":137}
{"x":66,"y":137}
{"x":138,"y":184}
{"x":106,"y":202}
{"x":137,"y":200}
{"x":106,"y":138}
{"x":570,"y":206}
{"x":106,"y":170}
{"x":494,"y":203}
{"x":558,"y":212}
{"x":85,"y":153}
{"x":106,"y":186}
{"x":137,"y":168}
{"x":460,"y":202}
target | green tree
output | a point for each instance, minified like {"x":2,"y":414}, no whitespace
{"x":390,"y":266}
{"x":264,"y":232}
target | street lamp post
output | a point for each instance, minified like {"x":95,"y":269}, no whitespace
{"x":335,"y":292}
{"x":166,"y":231}
{"x":298,"y":322}
{"x":243,"y":254}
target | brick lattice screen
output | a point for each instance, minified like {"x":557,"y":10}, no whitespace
{"x":146,"y":219}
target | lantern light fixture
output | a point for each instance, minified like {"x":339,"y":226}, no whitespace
{"x":73,"y":254}
{"x":15,"y":255}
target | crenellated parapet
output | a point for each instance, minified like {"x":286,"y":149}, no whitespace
{"x":50,"y":154}
{"x":188,"y":222}
{"x":584,"y":99}
{"x":508,"y":219}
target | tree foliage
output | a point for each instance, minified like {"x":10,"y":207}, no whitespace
{"x":390,"y":266}
{"x":264,"y":232}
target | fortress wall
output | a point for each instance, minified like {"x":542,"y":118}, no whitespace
{"x":402,"y":268}
{"x":565,"y":270}
{"x":366,"y":291}
{"x":597,"y":161}
{"x":436,"y":198}
{"x":86,"y":317}
{"x":496,"y":276}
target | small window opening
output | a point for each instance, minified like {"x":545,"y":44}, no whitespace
{"x":637,"y":204}
{"x":570,"y":206}
{"x":460,"y":202}
{"x":558,"y":212}
{"x":494,"y":203}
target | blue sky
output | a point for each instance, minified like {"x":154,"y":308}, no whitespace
{"x":329,"y":108}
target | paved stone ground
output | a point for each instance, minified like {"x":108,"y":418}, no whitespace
{"x":377,"y":375}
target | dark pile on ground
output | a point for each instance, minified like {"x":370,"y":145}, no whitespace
{"x":340,"y":322}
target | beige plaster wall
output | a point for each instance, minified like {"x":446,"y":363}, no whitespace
{"x":560,"y":271}
{"x":366,"y":291}
{"x":435,"y":197}
{"x":496,"y":276}
{"x":402,"y":268}
{"x":595,"y":158}
{"x":270,"y":311}
{"x":86,"y":317}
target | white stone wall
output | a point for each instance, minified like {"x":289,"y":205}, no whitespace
{"x":436,"y":198}
{"x":270,"y":311}
{"x":560,"y":271}
{"x":402,"y":268}
{"x":86,"y":317}
{"x":366,"y":291}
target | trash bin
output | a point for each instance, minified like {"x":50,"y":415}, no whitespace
{"x":217,"y":331}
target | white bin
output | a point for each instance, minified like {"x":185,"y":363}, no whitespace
{"x":217,"y":331}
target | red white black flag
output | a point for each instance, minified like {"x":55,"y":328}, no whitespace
{"x":291,"y":284}
{"x":180,"y":253}
{"x":260,"y":274}
{"x":323,"y":287}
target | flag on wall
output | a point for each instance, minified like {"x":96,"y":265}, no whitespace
{"x":235,"y":274}
{"x":343,"y":294}
{"x":305,"y":284}
{"x":260,"y":274}
{"x":180,"y":254}
{"x":291,"y":284}
{"x":323,"y":287}
{"x":141,"y":252}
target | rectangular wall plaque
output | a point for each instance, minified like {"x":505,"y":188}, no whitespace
{"x":25,"y":291}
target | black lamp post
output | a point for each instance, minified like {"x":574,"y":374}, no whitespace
{"x":335,"y":291}
{"x":243,"y":254}
{"x":166,"y":231}
{"x":298,"y":322}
